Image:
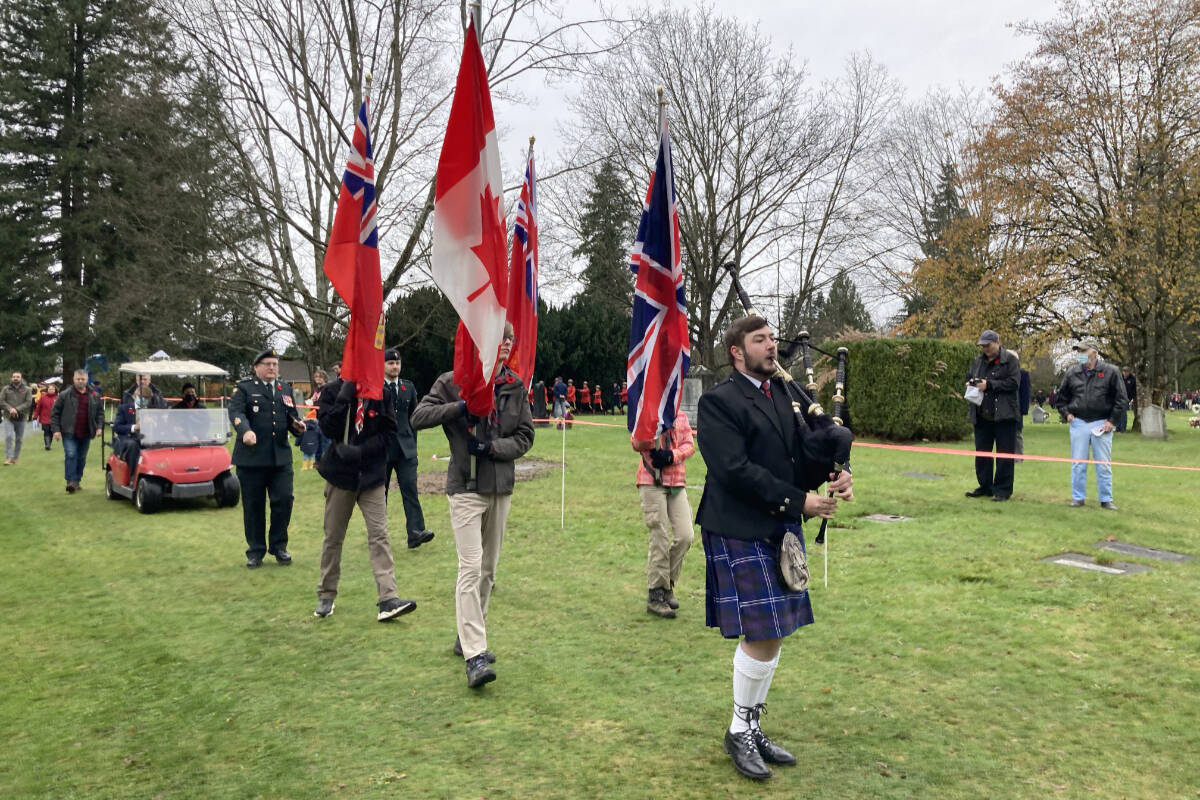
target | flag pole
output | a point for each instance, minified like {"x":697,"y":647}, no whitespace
{"x":562,"y":524}
{"x":477,"y":16}
{"x":662,"y":108}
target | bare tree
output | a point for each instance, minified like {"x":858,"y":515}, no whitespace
{"x":765,"y":167}
{"x":295,"y":71}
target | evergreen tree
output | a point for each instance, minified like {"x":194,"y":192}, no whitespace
{"x":607,"y":228}
{"x":841,"y":309}
{"x":100,"y":155}
{"x":945,"y":208}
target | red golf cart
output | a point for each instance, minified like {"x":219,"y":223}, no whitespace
{"x":184,"y":451}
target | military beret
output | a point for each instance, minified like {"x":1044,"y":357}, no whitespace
{"x":265,"y":354}
{"x":391,"y":354}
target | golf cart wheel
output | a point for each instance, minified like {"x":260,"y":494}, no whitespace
{"x":228,"y":490}
{"x":149,"y":496}
{"x":109,"y":492}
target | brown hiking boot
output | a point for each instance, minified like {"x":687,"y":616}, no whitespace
{"x":656,"y":604}
{"x":671,"y":601}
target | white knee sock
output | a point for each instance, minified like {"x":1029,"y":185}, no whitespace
{"x":751,"y":681}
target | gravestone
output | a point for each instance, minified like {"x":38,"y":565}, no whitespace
{"x":1126,"y":549}
{"x":1081,"y":561}
{"x":1038,"y":414}
{"x":697,"y":381}
{"x":1153,"y":421}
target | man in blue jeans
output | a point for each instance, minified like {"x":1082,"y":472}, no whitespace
{"x":1092,"y":396}
{"x":77,"y":417}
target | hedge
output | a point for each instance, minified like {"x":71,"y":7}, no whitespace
{"x":901,"y":389}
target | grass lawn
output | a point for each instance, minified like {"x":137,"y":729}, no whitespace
{"x":142,"y":660}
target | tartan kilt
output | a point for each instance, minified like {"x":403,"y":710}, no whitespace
{"x":744,"y":590}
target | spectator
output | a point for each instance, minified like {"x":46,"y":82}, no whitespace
{"x":189,"y":398}
{"x":1130,"y":395}
{"x":1092,"y":396}
{"x":76,"y":419}
{"x":45,"y":404}
{"x":997,"y":374}
{"x":662,"y":485}
{"x":320,"y":379}
{"x":560,"y":397}
{"x":16,"y":401}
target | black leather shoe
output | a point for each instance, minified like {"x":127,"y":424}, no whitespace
{"x":744,"y":752}
{"x":487,"y":654}
{"x":418,"y":538}
{"x":253,"y":562}
{"x":479,"y":672}
{"x":1108,"y":505}
{"x":771,"y":752}
{"x":979,"y":491}
{"x":283,"y":557}
{"x":1076,"y":504}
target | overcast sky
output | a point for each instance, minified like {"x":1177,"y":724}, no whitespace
{"x":921,"y":42}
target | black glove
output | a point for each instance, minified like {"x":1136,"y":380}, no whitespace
{"x":346,"y":393}
{"x":347,"y":453}
{"x":478,"y":448}
{"x":661,"y":458}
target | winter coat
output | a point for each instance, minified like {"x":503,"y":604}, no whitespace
{"x":510,"y":433}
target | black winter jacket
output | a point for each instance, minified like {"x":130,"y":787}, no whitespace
{"x":1003,"y":375}
{"x":360,"y":466}
{"x":1092,"y":398}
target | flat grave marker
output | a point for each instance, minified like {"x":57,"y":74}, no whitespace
{"x":1137,"y":551}
{"x":1081,"y":561}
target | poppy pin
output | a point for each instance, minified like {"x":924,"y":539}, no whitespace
{"x":1099,"y":374}
{"x":403,"y":388}
{"x":371,"y":413}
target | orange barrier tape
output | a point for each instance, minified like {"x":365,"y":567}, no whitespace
{"x":949,"y":451}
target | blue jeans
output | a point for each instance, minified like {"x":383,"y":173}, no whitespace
{"x":14,"y":434}
{"x":74,"y":457}
{"x":560,"y":407}
{"x":1082,"y":438}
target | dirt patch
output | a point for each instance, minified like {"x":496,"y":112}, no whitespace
{"x":526,"y":470}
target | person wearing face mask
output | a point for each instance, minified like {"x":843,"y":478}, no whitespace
{"x":189,"y":399}
{"x":997,"y":374}
{"x":1092,"y":397}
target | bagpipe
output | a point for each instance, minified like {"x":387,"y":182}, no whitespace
{"x":824,"y":441}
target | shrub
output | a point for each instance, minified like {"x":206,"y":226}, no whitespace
{"x":902,"y":389}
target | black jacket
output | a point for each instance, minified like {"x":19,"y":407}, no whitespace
{"x":251,"y":408}
{"x":751,"y":450}
{"x":62,"y":415}
{"x":361,"y":466}
{"x":1003,"y":376}
{"x":1094,"y":397}
{"x":402,"y":445}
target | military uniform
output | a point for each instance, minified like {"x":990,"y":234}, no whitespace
{"x":264,"y":469}
{"x":402,"y":455}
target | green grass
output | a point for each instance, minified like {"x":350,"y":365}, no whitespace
{"x":142,"y":660}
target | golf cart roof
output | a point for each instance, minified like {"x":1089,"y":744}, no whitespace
{"x":168,"y":366}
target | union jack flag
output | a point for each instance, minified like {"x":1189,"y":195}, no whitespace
{"x":659,"y":350}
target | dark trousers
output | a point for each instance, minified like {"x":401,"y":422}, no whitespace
{"x":258,"y":485}
{"x":1002,"y":435}
{"x":130,"y":451}
{"x":47,"y":435}
{"x":406,"y":475}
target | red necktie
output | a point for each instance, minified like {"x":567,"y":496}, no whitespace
{"x":766,"y":388}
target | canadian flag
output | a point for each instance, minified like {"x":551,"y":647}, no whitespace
{"x":470,"y":252}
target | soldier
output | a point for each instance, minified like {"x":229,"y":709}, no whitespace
{"x":262,"y":412}
{"x":402,"y":448}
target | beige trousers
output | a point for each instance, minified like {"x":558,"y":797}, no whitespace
{"x":478,"y":522}
{"x":668,"y":516}
{"x":339,"y":505}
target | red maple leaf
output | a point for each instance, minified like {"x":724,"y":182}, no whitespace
{"x":491,"y":249}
